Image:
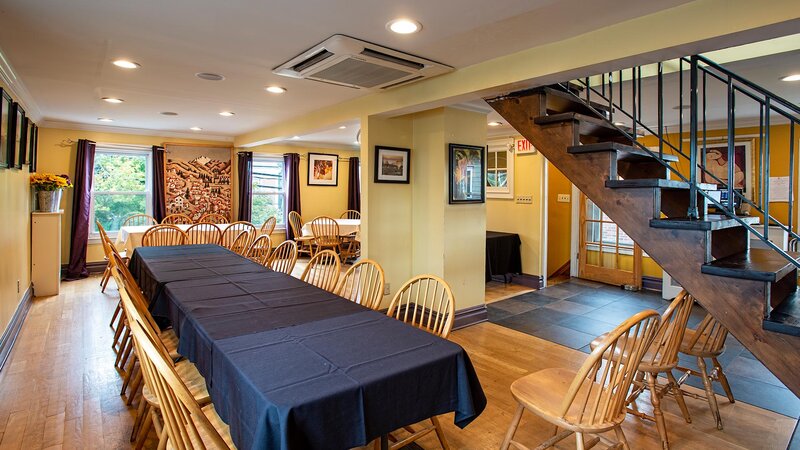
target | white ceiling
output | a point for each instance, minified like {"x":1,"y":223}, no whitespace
{"x":62,"y":50}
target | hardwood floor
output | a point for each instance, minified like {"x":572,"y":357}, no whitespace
{"x":59,"y":388}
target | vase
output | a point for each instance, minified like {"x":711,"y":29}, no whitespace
{"x":49,"y":201}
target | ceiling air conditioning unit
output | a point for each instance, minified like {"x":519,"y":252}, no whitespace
{"x":354,"y":63}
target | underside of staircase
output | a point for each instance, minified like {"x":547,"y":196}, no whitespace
{"x":709,"y":256}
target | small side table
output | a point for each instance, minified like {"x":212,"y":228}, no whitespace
{"x":46,"y":252}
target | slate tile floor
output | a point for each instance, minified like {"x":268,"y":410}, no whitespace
{"x":573,"y":313}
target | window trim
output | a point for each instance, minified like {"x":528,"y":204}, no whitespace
{"x":276,"y":158}
{"x":148,"y":182}
{"x":501,"y":192}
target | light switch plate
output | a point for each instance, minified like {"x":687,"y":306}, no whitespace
{"x":563,"y":198}
{"x":526,"y":199}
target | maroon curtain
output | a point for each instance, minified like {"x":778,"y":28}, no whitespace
{"x":354,"y":186}
{"x":159,"y":184}
{"x":245,"y":186}
{"x":81,"y":205}
{"x":291,"y":179}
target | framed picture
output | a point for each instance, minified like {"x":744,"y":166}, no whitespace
{"x":716,"y":164}
{"x":392,"y":164}
{"x":33,"y":144}
{"x":17,"y":135}
{"x":6,"y":151}
{"x":323,"y":169}
{"x":467,"y":173}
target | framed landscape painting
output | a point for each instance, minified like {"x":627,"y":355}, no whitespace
{"x":467,"y":174}
{"x":323,"y":169}
{"x":198,"y":180}
{"x":392,"y":164}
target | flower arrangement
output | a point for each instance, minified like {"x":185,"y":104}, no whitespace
{"x":50,"y":182}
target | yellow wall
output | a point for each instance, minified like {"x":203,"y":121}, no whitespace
{"x":559,"y":219}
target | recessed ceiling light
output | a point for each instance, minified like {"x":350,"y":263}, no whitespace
{"x":404,"y":26}
{"x":295,"y":138}
{"x":209,"y":76}
{"x":495,"y":123}
{"x":227,"y":113}
{"x":196,"y":129}
{"x":125,"y":64}
{"x":105,"y":119}
{"x":169,"y":113}
{"x":112,"y":100}
{"x":343,"y":127}
{"x":792,"y":77}
{"x":275,"y":89}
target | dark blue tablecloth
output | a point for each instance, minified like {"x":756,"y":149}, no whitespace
{"x":290,"y":366}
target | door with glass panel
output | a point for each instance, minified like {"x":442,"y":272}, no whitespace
{"x":606,"y":253}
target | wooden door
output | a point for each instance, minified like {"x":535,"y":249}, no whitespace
{"x":606,"y":254}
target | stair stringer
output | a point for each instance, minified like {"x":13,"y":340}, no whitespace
{"x":736,"y":303}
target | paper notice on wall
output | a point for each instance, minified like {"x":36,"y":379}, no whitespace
{"x":779,"y":189}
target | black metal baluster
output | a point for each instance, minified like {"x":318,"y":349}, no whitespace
{"x":633,"y":100}
{"x":705,"y":145}
{"x":731,"y":155}
{"x":761,"y":152}
{"x":680,"y":105}
{"x":692,"y":213}
{"x":639,"y":70}
{"x":767,"y":109}
{"x":661,"y":110}
{"x":611,"y":95}
{"x":791,"y":174}
{"x":588,"y":89}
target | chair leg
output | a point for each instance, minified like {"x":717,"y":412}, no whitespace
{"x":579,"y":444}
{"x":723,"y":380}
{"x":621,"y":437}
{"x":440,"y":433}
{"x":144,"y":430}
{"x":512,"y":428}
{"x":116,"y":314}
{"x":712,"y":400}
{"x":676,"y":390}
{"x":105,"y":278}
{"x":659,"y":416}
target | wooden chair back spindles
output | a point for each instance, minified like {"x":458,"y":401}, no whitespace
{"x":204,"y":233}
{"x":232,"y":231}
{"x":707,"y":340}
{"x":178,"y":219}
{"x":350,"y":214}
{"x":425,"y":301}
{"x":161,"y":235}
{"x":217,"y":219}
{"x":241,"y":243}
{"x":139,"y":220}
{"x":296,"y":222}
{"x":260,"y":248}
{"x":326,"y":233}
{"x":363,"y":284}
{"x":663,"y":353}
{"x":283,"y":258}
{"x":269,"y":226}
{"x":323,"y":270}
{"x":304,"y":243}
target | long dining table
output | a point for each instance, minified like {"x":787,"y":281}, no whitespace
{"x":291,"y":366}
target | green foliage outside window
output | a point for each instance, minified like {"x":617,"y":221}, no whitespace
{"x":119,"y":188}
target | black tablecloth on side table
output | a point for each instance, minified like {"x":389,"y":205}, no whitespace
{"x":502,"y":254}
{"x":291,"y":366}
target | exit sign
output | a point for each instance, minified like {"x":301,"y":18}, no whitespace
{"x":524,"y":147}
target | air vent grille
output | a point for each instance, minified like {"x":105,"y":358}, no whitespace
{"x":359,"y":73}
{"x":392,"y":59}
{"x":316,"y":58}
{"x":400,"y":83}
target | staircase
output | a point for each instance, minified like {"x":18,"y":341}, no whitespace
{"x":752,"y":291}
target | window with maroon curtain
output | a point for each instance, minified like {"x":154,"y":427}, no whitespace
{"x":81,"y":210}
{"x":291,"y":179}
{"x":159,"y":195}
{"x":354,"y":186}
{"x":245,"y":186}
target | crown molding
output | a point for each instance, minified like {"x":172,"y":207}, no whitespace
{"x":17,"y":89}
{"x":137,"y":131}
{"x":312,"y":144}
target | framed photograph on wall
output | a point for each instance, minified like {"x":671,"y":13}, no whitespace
{"x":323,"y":169}
{"x":467,"y":172}
{"x":6,"y":151}
{"x":716,"y":164}
{"x":33,"y":144}
{"x":392,"y":164}
{"x":18,"y":138}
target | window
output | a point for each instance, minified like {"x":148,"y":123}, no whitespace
{"x":268,"y":196}
{"x":499,"y":171}
{"x":121,"y":186}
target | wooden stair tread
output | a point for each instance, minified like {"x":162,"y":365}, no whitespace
{"x":588,"y":125}
{"x":785,"y":318}
{"x":761,"y":264}
{"x":628,"y":152}
{"x":559,"y":101}
{"x":711,"y":222}
{"x":656,"y":183}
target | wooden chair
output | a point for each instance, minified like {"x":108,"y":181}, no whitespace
{"x":661,"y":357}
{"x":105,"y":241}
{"x":203,"y":233}
{"x":326,"y":234}
{"x":241,"y":244}
{"x":426,"y":302}
{"x":351,"y":247}
{"x":217,"y":219}
{"x":283,"y":258}
{"x":350,"y":214}
{"x":187,"y":424}
{"x":707,"y":341}
{"x":160,"y":235}
{"x":269,"y":226}
{"x":363,"y":284}
{"x":139,"y":220}
{"x":232,"y":231}
{"x":260,"y":248}
{"x":303,"y":242}
{"x":591,"y":400}
{"x":323,"y":270}
{"x":176,"y":219}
